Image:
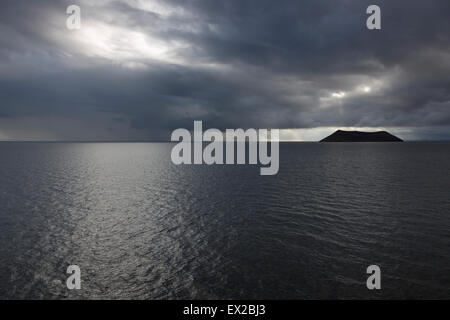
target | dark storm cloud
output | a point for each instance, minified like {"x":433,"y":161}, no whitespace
{"x":282,"y":64}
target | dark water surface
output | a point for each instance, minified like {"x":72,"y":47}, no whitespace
{"x":140,"y":227}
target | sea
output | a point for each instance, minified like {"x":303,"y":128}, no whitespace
{"x":140,"y":227}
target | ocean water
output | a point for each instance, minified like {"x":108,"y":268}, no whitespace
{"x":140,"y":227}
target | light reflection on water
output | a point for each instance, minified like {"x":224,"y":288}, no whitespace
{"x":140,"y":227}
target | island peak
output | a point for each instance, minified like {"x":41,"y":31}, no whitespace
{"x":361,"y":136}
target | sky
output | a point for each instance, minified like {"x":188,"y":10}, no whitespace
{"x":137,"y":70}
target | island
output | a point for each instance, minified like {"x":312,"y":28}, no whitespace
{"x":359,"y":136}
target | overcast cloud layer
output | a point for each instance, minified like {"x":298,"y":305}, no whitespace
{"x":138,"y":69}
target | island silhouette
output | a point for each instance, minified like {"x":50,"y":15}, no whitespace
{"x":360,"y":136}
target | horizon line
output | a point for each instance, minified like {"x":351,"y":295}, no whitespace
{"x":165,"y":141}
